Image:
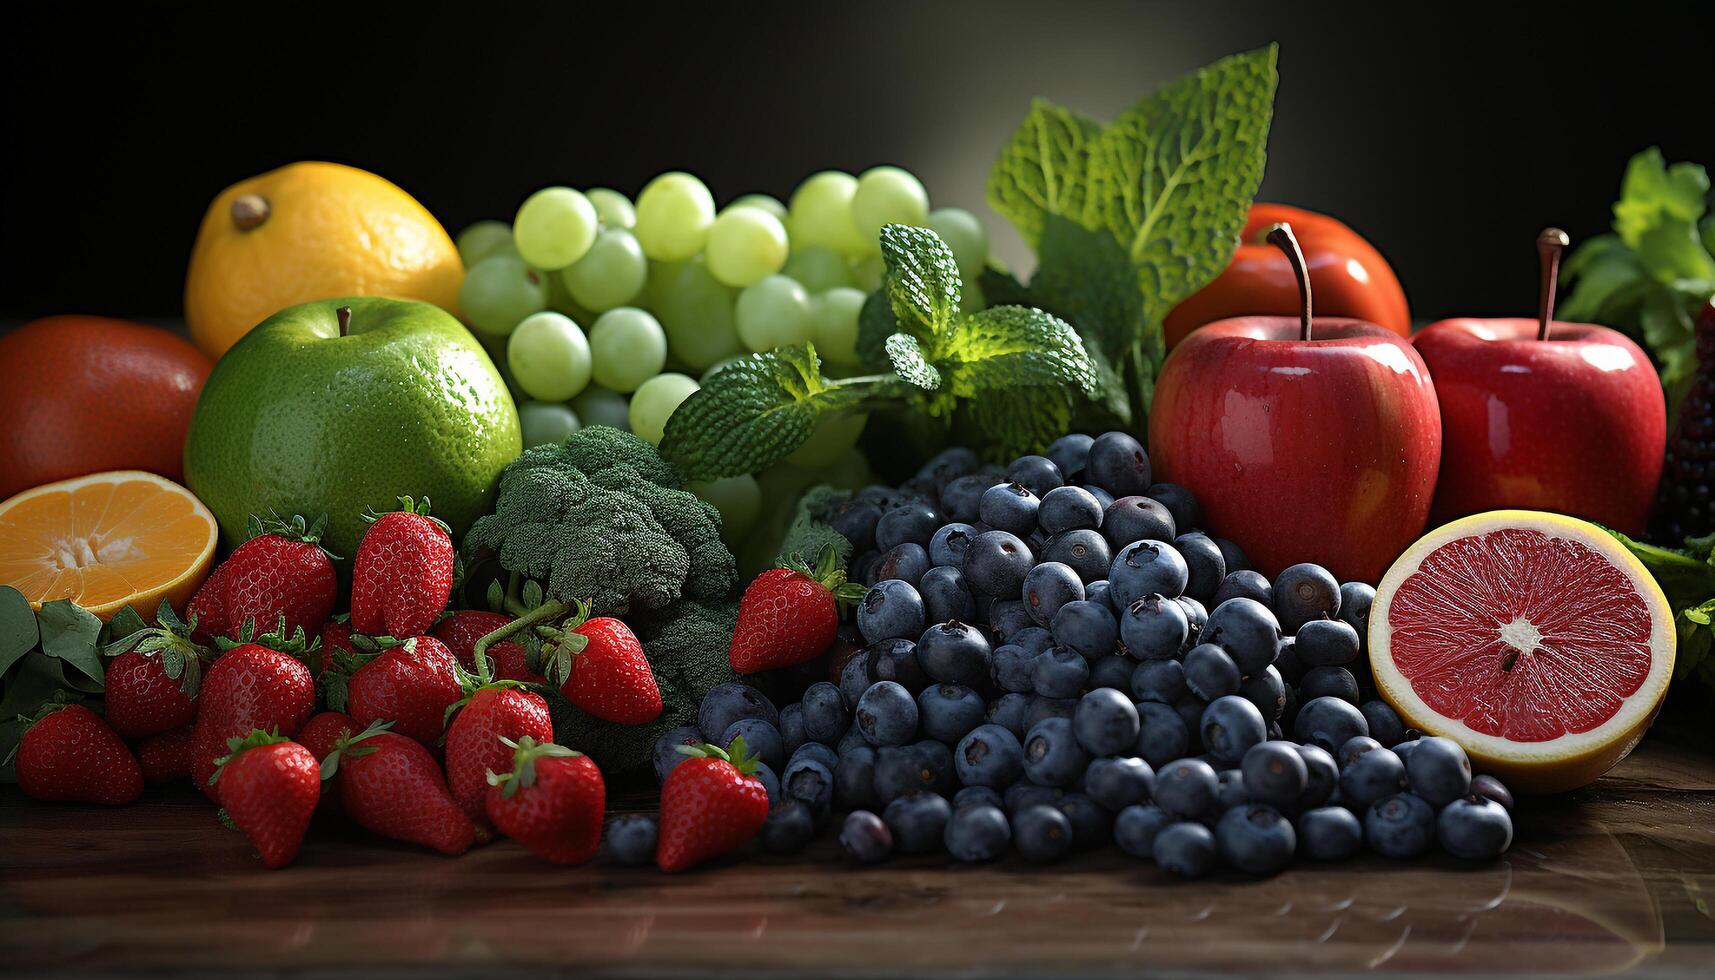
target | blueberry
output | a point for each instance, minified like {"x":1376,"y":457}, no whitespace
{"x":960,"y":498}
{"x":792,"y":732}
{"x":1071,"y":453}
{"x":1490,"y":788}
{"x":1275,"y":774}
{"x":865,"y":837}
{"x":1190,"y":709}
{"x":1186,"y":787}
{"x":1099,"y":593}
{"x":901,"y":769}
{"x":1088,"y":627}
{"x":1355,"y":746}
{"x":811,"y":783}
{"x":977,"y":833}
{"x":891,"y":608}
{"x":1247,"y":630}
{"x":887,"y":714}
{"x":1327,"y":643}
{"x":1146,"y":567}
{"x":1006,"y":617}
{"x":918,"y":821}
{"x":1401,"y":825}
{"x":817,"y":752}
{"x":667,"y":755}
{"x":1305,"y":592}
{"x":1136,"y":827}
{"x":1196,"y":617}
{"x":855,"y":678}
{"x":989,"y":756}
{"x":1049,"y":586}
{"x":1385,"y":723}
{"x":1053,"y":755}
{"x":727,"y":703}
{"x":907,"y":562}
{"x":1009,"y":507}
{"x":976,"y":796}
{"x":1267,"y":690}
{"x":1117,"y":782}
{"x":631,"y":838}
{"x":1040,"y":708}
{"x":1154,"y":627}
{"x":1327,"y":722}
{"x":1244,"y":584}
{"x":788,"y":829}
{"x":1210,"y":673}
{"x":935,"y":766}
{"x":852,"y":739}
{"x":1041,"y":833}
{"x":1069,"y":509}
{"x":1060,"y":673}
{"x":954,"y":653}
{"x":1230,"y":790}
{"x":854,"y":779}
{"x":1012,"y":668}
{"x":1235,"y":555}
{"x":893,"y":660}
{"x":1329,"y":833}
{"x":949,"y":464}
{"x":1256,"y":839}
{"x":1106,"y":722}
{"x":1474,"y":828}
{"x":946,"y":712}
{"x":1137,"y":518}
{"x":1113,"y":671}
{"x":996,"y":563}
{"x":1230,"y":726}
{"x":864,"y":567}
{"x":1033,"y":639}
{"x":1162,"y":735}
{"x":856,"y":521}
{"x":825,"y":715}
{"x":762,"y":739}
{"x":1024,"y":794}
{"x":1405,"y":748}
{"x":1371,"y":776}
{"x":1286,"y":661}
{"x":880,"y":495}
{"x":1440,"y":770}
{"x":1085,"y":552}
{"x":1092,"y":825}
{"x":1008,"y":711}
{"x":911,"y":523}
{"x":1322,"y":776}
{"x":1356,"y":598}
{"x":947,"y":545}
{"x":1118,"y":464}
{"x":1329,"y":682}
{"x":1186,"y":849}
{"x":1161,"y":681}
{"x":1203,"y":560}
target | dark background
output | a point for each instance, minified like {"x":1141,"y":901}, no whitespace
{"x":1448,"y":137}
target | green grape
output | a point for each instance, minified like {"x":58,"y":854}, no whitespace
{"x":629,"y":348}
{"x":835,"y":434}
{"x":655,"y":401}
{"x":549,"y":356}
{"x":745,"y":244}
{"x":674,"y":213}
{"x":596,"y":405}
{"x":499,"y":291}
{"x":554,"y":227}
{"x":971,"y":297}
{"x":965,"y":235}
{"x":612,"y":208}
{"x":820,"y":213}
{"x":818,"y":269}
{"x":738,"y":498}
{"x":485,"y":238}
{"x":763,"y":201}
{"x":867,"y":272}
{"x":772,"y":313}
{"x":546,"y":422}
{"x":834,"y":325}
{"x":610,"y":274}
{"x":887,"y":196}
{"x":697,"y":313}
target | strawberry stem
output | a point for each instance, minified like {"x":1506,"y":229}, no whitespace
{"x":546,"y":611}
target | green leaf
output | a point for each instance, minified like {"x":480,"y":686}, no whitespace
{"x":875,"y":325}
{"x":808,"y":536}
{"x":1013,"y":347}
{"x":1657,"y":216}
{"x":72,"y":634}
{"x":1044,"y":169}
{"x":1087,"y":278}
{"x":912,"y":364}
{"x":18,"y":633}
{"x":1598,"y":271}
{"x":922,"y":281}
{"x":1017,"y":421}
{"x":127,"y":622}
{"x":1003,"y":288}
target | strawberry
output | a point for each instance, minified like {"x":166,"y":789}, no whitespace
{"x":393,"y":786}
{"x":412,"y":684}
{"x":321,"y":733}
{"x":280,"y":571}
{"x":151,"y":683}
{"x":403,"y":572}
{"x":790,"y":614}
{"x":600,"y":667}
{"x":71,"y":754}
{"x":550,"y":799}
{"x":250,"y":686}
{"x":710,"y":804}
{"x":269,"y":786}
{"x":462,"y":629}
{"x":166,"y":758}
{"x":474,"y":750}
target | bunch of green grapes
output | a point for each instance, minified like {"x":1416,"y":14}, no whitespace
{"x":604,"y":310}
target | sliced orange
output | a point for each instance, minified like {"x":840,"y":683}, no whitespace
{"x":106,"y":541}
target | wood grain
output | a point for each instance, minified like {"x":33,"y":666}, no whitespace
{"x":1617,"y":877}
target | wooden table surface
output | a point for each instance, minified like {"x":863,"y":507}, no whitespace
{"x":1617,"y":877}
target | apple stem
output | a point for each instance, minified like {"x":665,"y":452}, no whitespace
{"x":344,"y":314}
{"x":1281,"y":237}
{"x":1549,"y":245}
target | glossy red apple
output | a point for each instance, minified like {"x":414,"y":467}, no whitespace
{"x":1545,"y":415}
{"x":1305,"y":439}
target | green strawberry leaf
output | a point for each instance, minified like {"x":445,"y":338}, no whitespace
{"x":18,"y":631}
{"x":1045,"y":170}
{"x":922,"y":282}
{"x":73,"y":634}
{"x":911,"y":363}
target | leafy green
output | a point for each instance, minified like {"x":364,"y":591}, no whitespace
{"x":809,"y":532}
{"x":50,"y":655}
{"x":1687,"y":577}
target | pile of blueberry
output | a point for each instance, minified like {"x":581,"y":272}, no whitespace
{"x":1053,"y":657}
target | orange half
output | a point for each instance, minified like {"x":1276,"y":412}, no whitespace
{"x":106,"y":541}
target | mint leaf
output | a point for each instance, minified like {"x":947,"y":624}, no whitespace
{"x":1016,"y":421}
{"x":1045,"y":169}
{"x":1087,"y":278}
{"x":908,"y":358}
{"x":1012,"y":347}
{"x":875,"y":325}
{"x":922,"y":281}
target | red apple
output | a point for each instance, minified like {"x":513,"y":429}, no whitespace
{"x":1573,"y":422}
{"x":1305,"y":439}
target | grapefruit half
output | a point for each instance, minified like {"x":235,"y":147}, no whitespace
{"x":1534,"y":640}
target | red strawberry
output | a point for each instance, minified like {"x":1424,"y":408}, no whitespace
{"x":600,"y":667}
{"x":249,"y":687}
{"x":710,"y":804}
{"x":280,"y":571}
{"x":789,"y":614}
{"x":336,"y":639}
{"x":403,"y":572}
{"x":474,"y":739}
{"x":392,"y":785}
{"x":71,"y":754}
{"x":152,"y":681}
{"x":550,"y":799}
{"x":321,"y":733}
{"x":269,"y":786}
{"x":412,"y":685}
{"x":166,"y":758}
{"x":462,"y":629}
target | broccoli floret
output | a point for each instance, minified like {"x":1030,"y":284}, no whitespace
{"x":596,"y":447}
{"x":692,"y":522}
